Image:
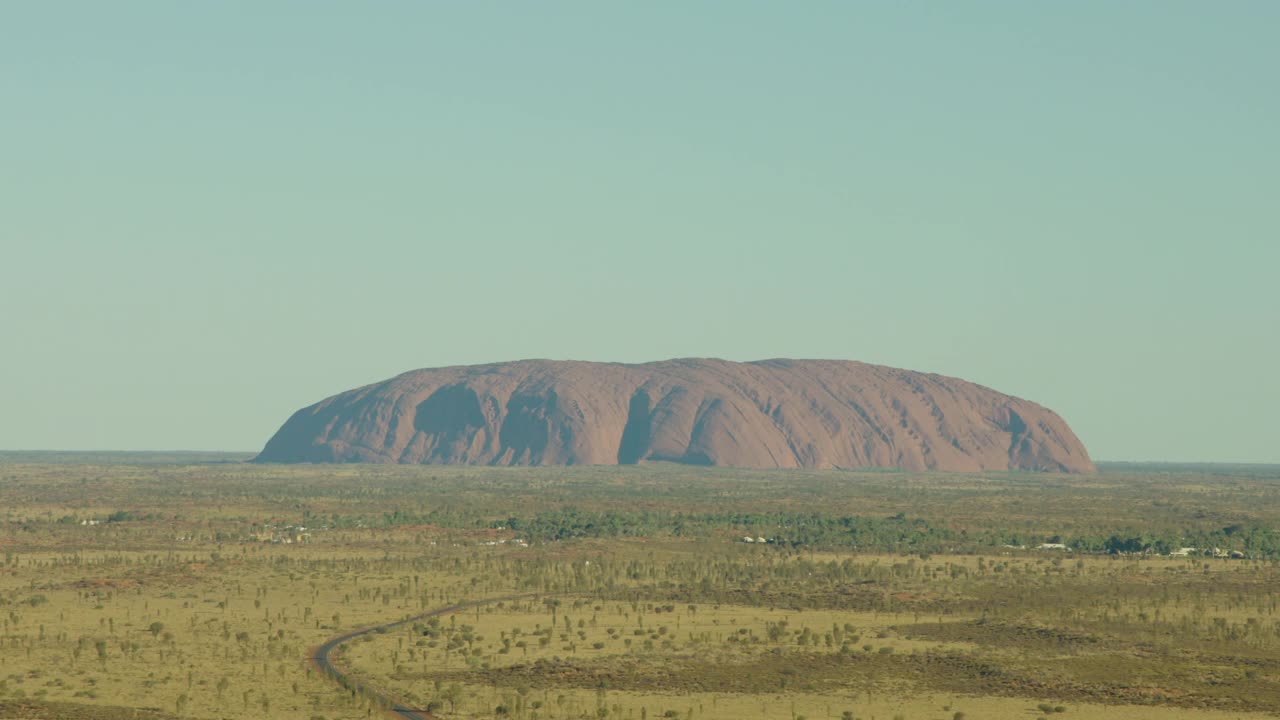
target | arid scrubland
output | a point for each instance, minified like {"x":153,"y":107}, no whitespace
{"x":159,"y":590}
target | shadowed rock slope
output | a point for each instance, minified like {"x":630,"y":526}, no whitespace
{"x":765,"y":414}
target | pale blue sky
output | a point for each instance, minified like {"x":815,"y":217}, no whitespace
{"x":212,"y":214}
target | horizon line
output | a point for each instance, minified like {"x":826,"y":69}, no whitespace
{"x":52,"y":451}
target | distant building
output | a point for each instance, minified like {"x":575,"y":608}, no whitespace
{"x":1052,"y":546}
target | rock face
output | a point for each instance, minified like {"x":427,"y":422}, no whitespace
{"x":765,"y":414}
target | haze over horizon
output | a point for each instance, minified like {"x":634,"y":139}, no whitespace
{"x":215,"y":215}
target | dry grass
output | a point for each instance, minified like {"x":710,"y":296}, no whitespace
{"x":179,"y":610}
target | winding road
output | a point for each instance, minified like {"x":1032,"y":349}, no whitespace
{"x":319,"y":656}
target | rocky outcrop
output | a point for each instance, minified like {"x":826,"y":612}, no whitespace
{"x":765,"y":414}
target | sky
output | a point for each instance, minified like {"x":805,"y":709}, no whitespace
{"x":213,"y":214}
